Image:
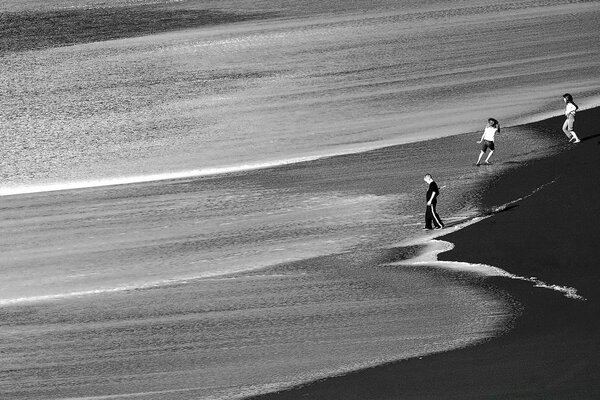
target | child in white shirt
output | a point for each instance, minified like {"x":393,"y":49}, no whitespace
{"x":487,"y":139}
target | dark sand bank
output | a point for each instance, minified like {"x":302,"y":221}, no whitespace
{"x":552,"y":350}
{"x":113,"y":324}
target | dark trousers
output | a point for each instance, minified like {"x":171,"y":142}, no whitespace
{"x":432,"y":219}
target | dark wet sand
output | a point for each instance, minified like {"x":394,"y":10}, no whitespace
{"x":153,"y":343}
{"x":552,"y":350}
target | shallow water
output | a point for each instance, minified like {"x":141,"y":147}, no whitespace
{"x":218,"y":285}
{"x":106,"y":294}
{"x":233,"y":285}
{"x":128,"y":236}
{"x":246,"y":334}
{"x":302,"y":79}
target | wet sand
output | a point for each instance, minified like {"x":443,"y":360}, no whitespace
{"x":551,"y":351}
{"x":217,"y":337}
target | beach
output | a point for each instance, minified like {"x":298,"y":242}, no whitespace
{"x":550,"y":352}
{"x":225,"y":200}
{"x":104,"y":293}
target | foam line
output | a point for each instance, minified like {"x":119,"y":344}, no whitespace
{"x":435,"y":247}
{"x":194,"y":173}
{"x":122,"y":288}
{"x":429,"y":257}
{"x":59,"y":296}
{"x":8,"y":191}
{"x":472,"y":220}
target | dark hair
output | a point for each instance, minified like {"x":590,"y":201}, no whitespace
{"x":570,"y":100}
{"x":495,"y":123}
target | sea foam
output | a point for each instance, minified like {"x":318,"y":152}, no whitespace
{"x":84,"y":184}
{"x":435,"y":247}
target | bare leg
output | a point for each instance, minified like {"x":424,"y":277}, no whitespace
{"x":489,"y":155}
{"x":480,"y":155}
{"x":565,"y":129}
{"x":570,"y":121}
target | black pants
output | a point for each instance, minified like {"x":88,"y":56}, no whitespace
{"x":432,"y":219}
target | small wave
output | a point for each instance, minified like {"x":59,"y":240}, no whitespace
{"x":50,"y":187}
{"x":59,"y":296}
{"x":435,"y":247}
{"x":121,"y":288}
{"x":195,"y":173}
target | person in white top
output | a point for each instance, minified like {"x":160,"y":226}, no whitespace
{"x":570,"y":110}
{"x":487,"y":140}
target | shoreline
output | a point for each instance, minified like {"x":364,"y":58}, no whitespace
{"x":218,"y":172}
{"x":162,"y":218}
{"x":550,"y":351}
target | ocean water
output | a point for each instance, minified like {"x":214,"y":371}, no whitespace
{"x":95,"y":90}
{"x":226,"y":286}
{"x":256,"y":245}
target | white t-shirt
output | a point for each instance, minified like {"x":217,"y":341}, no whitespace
{"x":570,"y":109}
{"x":489,"y":133}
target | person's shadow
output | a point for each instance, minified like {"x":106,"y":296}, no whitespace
{"x":585,"y":139}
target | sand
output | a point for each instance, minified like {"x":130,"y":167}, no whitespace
{"x":150,"y":343}
{"x":551,"y":351}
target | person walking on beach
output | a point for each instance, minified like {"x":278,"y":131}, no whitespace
{"x":570,"y":110}
{"x":487,"y":140}
{"x":432,"y":219}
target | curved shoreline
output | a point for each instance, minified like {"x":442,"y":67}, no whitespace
{"x":551,"y":350}
{"x":380,"y":175}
